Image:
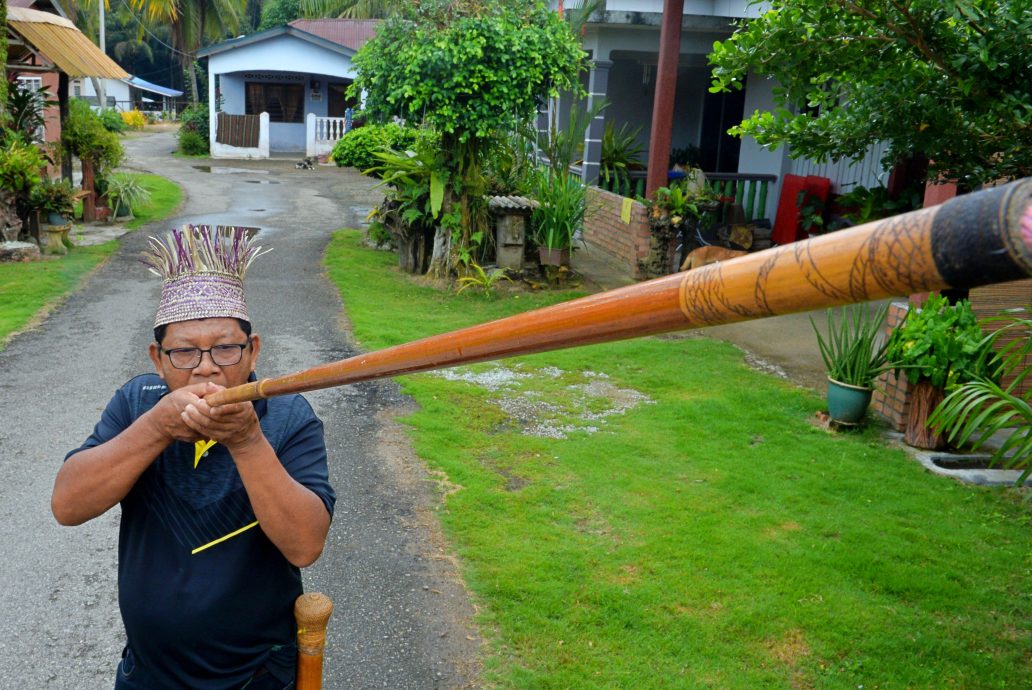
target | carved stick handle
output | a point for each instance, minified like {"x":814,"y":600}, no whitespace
{"x":312,"y":612}
{"x":973,"y":240}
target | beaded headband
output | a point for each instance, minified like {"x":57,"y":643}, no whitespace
{"x":202,"y":270}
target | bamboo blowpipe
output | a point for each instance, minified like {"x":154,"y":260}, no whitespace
{"x":976,"y":239}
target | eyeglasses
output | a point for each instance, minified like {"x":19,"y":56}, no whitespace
{"x":190,"y":357}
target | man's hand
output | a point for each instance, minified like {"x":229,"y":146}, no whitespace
{"x":231,"y":425}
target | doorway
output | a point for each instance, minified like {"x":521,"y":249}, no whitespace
{"x":720,"y":112}
{"x":337,"y":99}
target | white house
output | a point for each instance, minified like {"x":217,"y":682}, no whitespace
{"x":623,"y":39}
{"x":126,"y":94}
{"x":297,"y":75}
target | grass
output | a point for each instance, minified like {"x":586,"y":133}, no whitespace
{"x":165,"y":197}
{"x":713,"y":538}
{"x":30,"y":290}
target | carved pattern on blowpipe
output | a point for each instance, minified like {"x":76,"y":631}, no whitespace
{"x":813,"y":275}
{"x":896,"y":260}
{"x":891,"y":260}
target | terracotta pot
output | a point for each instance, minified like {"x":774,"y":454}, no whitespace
{"x":554,"y":257}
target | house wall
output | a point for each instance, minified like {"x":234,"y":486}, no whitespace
{"x":52,"y":114}
{"x":631,"y":94}
{"x":719,"y":8}
{"x":754,"y":158}
{"x":282,"y":59}
{"x":114,"y":88}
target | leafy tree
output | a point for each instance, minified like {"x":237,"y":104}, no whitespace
{"x":473,"y":71}
{"x":946,"y":79}
{"x":279,"y":13}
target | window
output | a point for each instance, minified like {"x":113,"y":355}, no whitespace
{"x":33,"y":85}
{"x":283,"y":102}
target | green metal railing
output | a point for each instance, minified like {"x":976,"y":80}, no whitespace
{"x":740,"y":189}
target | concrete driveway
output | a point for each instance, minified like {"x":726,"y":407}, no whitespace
{"x":403,"y":618}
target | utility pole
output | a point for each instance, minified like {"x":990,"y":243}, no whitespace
{"x":98,"y":82}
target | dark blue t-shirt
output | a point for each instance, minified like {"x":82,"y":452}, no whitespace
{"x":206,"y":598}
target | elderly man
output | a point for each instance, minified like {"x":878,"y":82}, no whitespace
{"x":221,"y":506}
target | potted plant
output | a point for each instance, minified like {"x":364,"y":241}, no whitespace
{"x":669,"y":212}
{"x":56,"y":199}
{"x":854,"y":356}
{"x":562,"y":203}
{"x":976,"y":411}
{"x":124,"y":192}
{"x":939,"y":346}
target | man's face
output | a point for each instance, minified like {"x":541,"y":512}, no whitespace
{"x":205,"y":334}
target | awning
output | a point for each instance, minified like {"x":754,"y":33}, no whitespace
{"x":145,"y":85}
{"x":63,"y":44}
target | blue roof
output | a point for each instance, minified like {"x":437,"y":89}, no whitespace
{"x":153,"y":88}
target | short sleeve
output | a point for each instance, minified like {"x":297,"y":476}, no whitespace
{"x":302,"y":451}
{"x":115,"y":419}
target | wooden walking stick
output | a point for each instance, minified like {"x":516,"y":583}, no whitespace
{"x":312,"y":611}
{"x":973,"y":240}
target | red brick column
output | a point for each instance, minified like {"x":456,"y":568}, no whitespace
{"x":891,"y":399}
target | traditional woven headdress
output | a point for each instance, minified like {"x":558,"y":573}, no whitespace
{"x":203,"y":272}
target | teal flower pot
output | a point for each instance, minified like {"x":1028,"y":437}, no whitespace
{"x":847,"y":404}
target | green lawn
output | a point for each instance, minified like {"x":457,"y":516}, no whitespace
{"x":29,"y":290}
{"x":708,"y":536}
{"x":165,"y":197}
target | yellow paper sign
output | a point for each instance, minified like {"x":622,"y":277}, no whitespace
{"x":625,"y":211}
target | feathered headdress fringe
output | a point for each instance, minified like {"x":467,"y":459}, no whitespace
{"x":200,"y":249}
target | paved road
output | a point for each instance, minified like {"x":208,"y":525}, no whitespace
{"x":402,"y":620}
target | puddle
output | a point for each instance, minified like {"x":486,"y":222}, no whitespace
{"x":223,"y":170}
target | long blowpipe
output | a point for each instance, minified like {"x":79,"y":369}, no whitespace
{"x":976,"y":239}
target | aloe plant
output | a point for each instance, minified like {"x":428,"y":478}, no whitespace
{"x":125,"y":190}
{"x":851,"y":352}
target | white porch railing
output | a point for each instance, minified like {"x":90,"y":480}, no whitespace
{"x":322,"y":133}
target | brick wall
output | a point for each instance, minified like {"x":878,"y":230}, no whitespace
{"x":891,"y":398}
{"x":625,"y":243}
{"x":994,"y":300}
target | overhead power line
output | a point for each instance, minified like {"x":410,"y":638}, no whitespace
{"x":151,"y":33}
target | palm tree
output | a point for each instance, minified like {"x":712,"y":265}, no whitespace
{"x":353,"y":9}
{"x":194,"y":24}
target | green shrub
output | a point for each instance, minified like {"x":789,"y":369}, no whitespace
{"x":112,"y":120}
{"x":192,"y":143}
{"x":358,"y":148}
{"x":85,"y":136}
{"x":194,"y":132}
{"x":942,"y":343}
{"x":20,"y":163}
